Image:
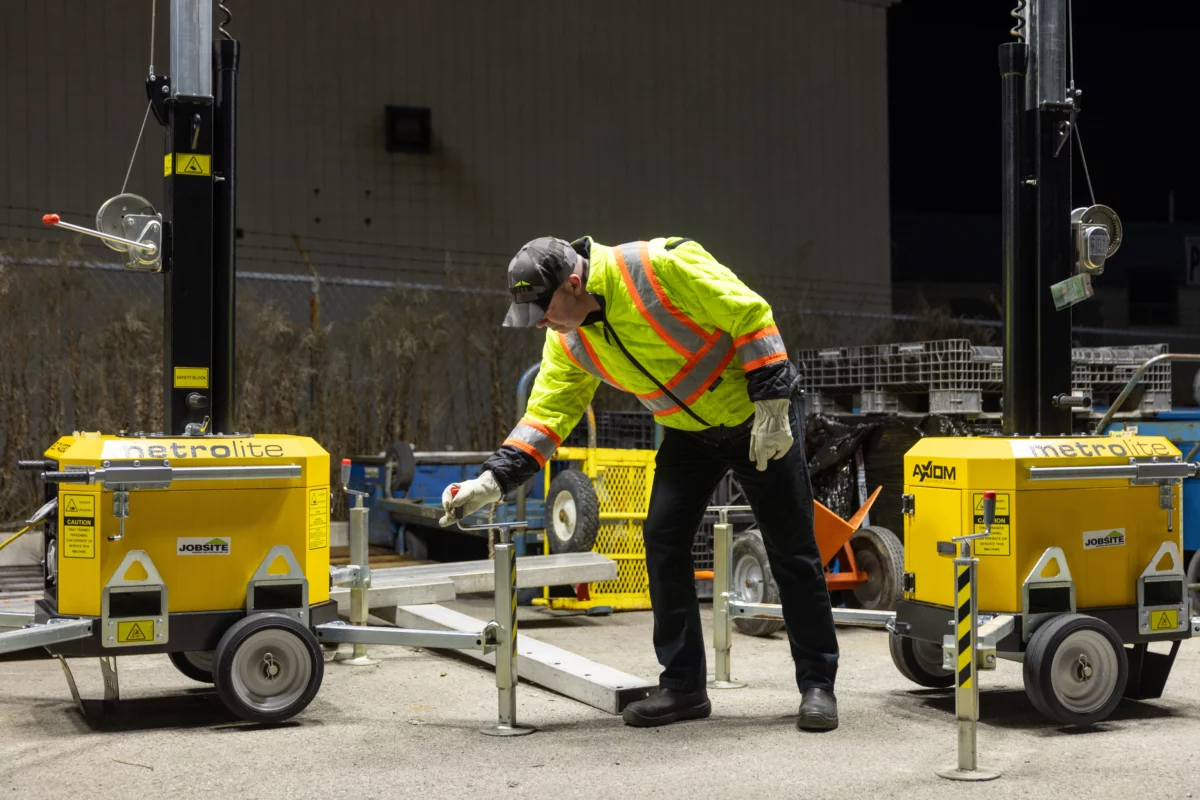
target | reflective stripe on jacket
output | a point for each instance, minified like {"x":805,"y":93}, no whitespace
{"x":670,"y":310}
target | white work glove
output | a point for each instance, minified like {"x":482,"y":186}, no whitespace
{"x":771,"y":436}
{"x":470,"y":496}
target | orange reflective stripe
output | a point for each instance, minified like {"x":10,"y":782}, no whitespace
{"x":764,"y":361}
{"x":691,"y":364}
{"x":648,"y":265}
{"x":712,"y":377}
{"x":770,"y":330}
{"x":580,"y":351}
{"x":527,"y":448}
{"x":761,"y":347}
{"x":542,"y":429}
{"x":596,"y":361}
{"x":636,"y":297}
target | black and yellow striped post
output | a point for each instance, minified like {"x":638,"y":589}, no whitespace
{"x":966,"y":683}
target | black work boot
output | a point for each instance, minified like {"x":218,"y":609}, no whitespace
{"x":818,"y":710}
{"x":669,"y":705}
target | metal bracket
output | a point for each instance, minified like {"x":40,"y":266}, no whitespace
{"x":46,"y":510}
{"x":1036,"y":583}
{"x":264,"y":580}
{"x":1170,"y":584}
{"x":112,"y":687}
{"x":143,"y":626}
{"x":908,"y":504}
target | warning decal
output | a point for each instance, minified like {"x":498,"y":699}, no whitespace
{"x":998,"y":544}
{"x":318,"y":518}
{"x":166,"y":165}
{"x":79,"y":525}
{"x":1164,"y":620}
{"x":191,"y":378}
{"x":193,"y":164}
{"x":140,"y":630}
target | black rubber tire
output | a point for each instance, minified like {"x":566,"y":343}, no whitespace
{"x":403,"y":465}
{"x":225,"y":656}
{"x":1039,"y":674}
{"x":749,"y":546}
{"x":1193,"y":576}
{"x":196,"y":672}
{"x":916,"y":659}
{"x":878,"y":552}
{"x":580,"y":538}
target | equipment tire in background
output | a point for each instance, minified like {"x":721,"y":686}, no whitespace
{"x":878,"y":553}
{"x":1075,"y":669}
{"x":753,"y":582}
{"x":919,"y":661}
{"x":403,"y":466}
{"x":572,"y":513}
{"x":196,"y":664}
{"x":268,"y":667}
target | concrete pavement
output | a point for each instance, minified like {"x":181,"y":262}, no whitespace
{"x":407,"y":728}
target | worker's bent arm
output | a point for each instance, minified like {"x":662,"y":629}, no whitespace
{"x":713,"y":296}
{"x":561,"y":393}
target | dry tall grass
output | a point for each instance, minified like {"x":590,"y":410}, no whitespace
{"x":434,"y":369}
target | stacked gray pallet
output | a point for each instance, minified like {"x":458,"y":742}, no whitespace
{"x":952,"y":376}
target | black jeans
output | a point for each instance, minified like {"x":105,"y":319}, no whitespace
{"x":689,"y":466}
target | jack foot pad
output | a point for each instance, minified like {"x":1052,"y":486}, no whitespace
{"x":507,"y":730}
{"x":726,"y":685}
{"x":977,"y":774}
{"x":361,"y":661}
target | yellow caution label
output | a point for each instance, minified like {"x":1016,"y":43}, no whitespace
{"x":166,"y":165}
{"x":1164,"y":620}
{"x":138,"y":630}
{"x":1000,"y":542}
{"x":318,"y":518}
{"x":62,"y":445}
{"x":191,"y":377}
{"x":79,"y":525}
{"x":193,"y":164}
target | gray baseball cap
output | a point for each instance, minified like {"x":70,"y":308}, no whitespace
{"x":534,"y":275}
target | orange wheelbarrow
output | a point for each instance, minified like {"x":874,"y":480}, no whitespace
{"x":864,"y":566}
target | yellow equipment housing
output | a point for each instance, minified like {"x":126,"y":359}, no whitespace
{"x":1108,"y":529}
{"x":205,"y":538}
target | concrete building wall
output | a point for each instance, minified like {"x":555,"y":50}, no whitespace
{"x":759,"y":129}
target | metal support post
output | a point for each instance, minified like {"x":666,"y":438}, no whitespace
{"x":966,"y":684}
{"x":506,"y":650}
{"x":359,"y":557}
{"x":722,"y":589}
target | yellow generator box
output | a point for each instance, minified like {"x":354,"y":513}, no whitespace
{"x":205,"y":537}
{"x":1108,"y":529}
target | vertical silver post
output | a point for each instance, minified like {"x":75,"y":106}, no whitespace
{"x":966,"y":683}
{"x":506,"y":652}
{"x":723,"y":590}
{"x":191,"y":48}
{"x":359,"y":557}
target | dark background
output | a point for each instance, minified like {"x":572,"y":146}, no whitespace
{"x":1136,"y":65}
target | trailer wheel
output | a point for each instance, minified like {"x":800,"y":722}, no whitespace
{"x":1075,"y":669}
{"x":268,"y":667}
{"x":919,"y":661}
{"x":196,"y":664}
{"x":878,"y":553}
{"x":572,"y":513}
{"x":402,"y":464}
{"x":1193,"y":576}
{"x":752,"y":580}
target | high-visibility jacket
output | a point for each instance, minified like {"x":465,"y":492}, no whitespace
{"x":678,"y":330}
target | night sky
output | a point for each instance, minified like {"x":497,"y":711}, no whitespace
{"x":1137,"y":65}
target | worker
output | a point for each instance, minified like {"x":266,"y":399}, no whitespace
{"x":666,"y":322}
